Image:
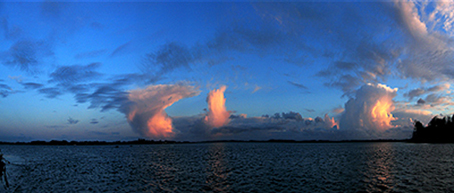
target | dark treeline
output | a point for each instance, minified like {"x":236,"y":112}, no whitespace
{"x":144,"y":141}
{"x":439,"y":130}
{"x":64,"y":142}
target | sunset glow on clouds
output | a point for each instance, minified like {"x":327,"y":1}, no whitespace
{"x":145,"y":108}
{"x":158,"y":70}
{"x":218,"y":115}
{"x":370,"y":110}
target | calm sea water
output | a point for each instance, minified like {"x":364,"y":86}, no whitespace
{"x":233,"y":167}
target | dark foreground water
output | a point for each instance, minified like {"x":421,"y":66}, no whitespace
{"x":232,"y":167}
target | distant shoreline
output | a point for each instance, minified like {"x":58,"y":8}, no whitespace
{"x":144,"y":142}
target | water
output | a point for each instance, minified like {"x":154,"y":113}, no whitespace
{"x":233,"y":167}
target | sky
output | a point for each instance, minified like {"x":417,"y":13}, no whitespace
{"x":242,"y":70}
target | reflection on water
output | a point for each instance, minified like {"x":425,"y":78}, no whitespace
{"x":233,"y":167}
{"x":379,"y":176}
{"x":216,"y":173}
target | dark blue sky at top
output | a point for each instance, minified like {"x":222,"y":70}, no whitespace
{"x":67,"y":68}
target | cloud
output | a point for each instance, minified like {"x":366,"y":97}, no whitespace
{"x":407,"y":16}
{"x":105,"y":96}
{"x":32,"y":85}
{"x":442,"y":16}
{"x":4,"y":86}
{"x":421,"y":101}
{"x":369,"y":113}
{"x":144,"y":109}
{"x":414,"y":93}
{"x":396,"y":38}
{"x":77,"y":88}
{"x":94,"y":121}
{"x":435,"y":99}
{"x":346,"y":83}
{"x":5,"y":90}
{"x":120,"y":49}
{"x":413,"y":111}
{"x":68,"y":75}
{"x":330,"y":122}
{"x":421,"y":91}
{"x":292,"y":115}
{"x":338,"y":110}
{"x":428,"y":55}
{"x":406,"y":117}
{"x":217,"y":115}
{"x":288,"y":126}
{"x":438,"y":88}
{"x":170,"y":57}
{"x":256,"y":88}
{"x":79,"y":80}
{"x":371,"y":109}
{"x":310,"y":110}
{"x":298,"y":85}
{"x":389,"y":41}
{"x":18,"y":79}
{"x":352,"y":56}
{"x":26,"y":55}
{"x":362,"y":55}
{"x":200,"y":127}
{"x":50,"y":92}
{"x":345,"y":65}
{"x":134,"y":78}
{"x":261,"y":39}
{"x":279,"y":126}
{"x":111,"y":94}
{"x":72,"y":121}
{"x":240,"y":116}
{"x":88,"y":85}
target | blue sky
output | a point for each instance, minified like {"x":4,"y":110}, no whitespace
{"x":69,"y":70}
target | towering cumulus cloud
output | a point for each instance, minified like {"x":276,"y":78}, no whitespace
{"x":370,"y":111}
{"x":218,"y":115}
{"x":145,"y":108}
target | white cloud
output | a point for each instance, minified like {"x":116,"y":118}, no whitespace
{"x":443,"y":17}
{"x":406,"y":117}
{"x":428,"y":54}
{"x":422,"y":91}
{"x":369,"y":113}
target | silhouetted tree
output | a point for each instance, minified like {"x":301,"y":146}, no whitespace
{"x":439,"y":130}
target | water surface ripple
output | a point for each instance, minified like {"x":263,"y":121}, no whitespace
{"x":233,"y":167}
